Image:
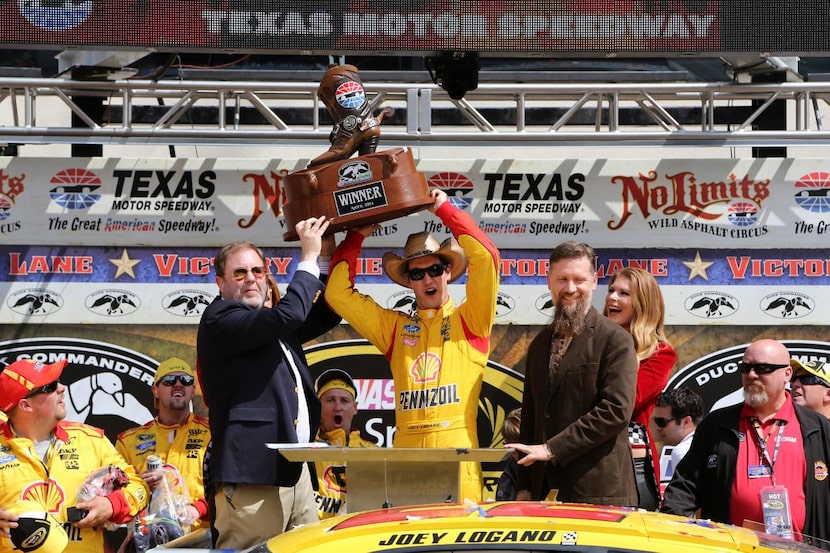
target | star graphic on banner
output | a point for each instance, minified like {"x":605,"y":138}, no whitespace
{"x":125,"y":264}
{"x":698,"y":267}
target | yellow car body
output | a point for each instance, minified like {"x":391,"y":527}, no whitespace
{"x":522,"y":526}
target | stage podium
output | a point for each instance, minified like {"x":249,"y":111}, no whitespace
{"x":396,"y":476}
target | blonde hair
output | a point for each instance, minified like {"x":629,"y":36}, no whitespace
{"x":649,"y":310}
{"x":273,"y":293}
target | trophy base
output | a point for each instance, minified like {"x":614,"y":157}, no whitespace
{"x":355,"y":192}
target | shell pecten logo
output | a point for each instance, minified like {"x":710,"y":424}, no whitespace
{"x":426,"y":368}
{"x":49,"y":494}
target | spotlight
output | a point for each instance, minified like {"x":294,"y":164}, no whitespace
{"x":455,"y":72}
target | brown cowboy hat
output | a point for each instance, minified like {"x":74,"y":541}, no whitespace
{"x":422,"y":244}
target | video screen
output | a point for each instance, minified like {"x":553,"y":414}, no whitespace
{"x":509,"y":27}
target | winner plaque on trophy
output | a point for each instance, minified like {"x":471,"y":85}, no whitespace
{"x":353,"y":191}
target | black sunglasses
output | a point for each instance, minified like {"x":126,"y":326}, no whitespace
{"x":810,"y":380}
{"x":759,"y":368}
{"x":433,"y":271}
{"x":661,"y":422}
{"x":46,"y":389}
{"x":170,"y":379}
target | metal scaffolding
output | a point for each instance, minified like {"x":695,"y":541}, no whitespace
{"x":203,"y":112}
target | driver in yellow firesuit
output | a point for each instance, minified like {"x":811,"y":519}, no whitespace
{"x":437,"y":352}
{"x":338,"y":406}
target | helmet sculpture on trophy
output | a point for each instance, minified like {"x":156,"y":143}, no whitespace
{"x":353,"y":191}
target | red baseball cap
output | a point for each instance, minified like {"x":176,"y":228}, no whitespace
{"x":22,"y":377}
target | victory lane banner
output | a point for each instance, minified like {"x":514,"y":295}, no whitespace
{"x":173,"y":285}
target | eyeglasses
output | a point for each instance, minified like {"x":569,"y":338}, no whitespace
{"x":662,"y":423}
{"x":47,"y":389}
{"x":433,"y":271}
{"x":759,"y":368}
{"x":240,"y":274}
{"x":170,"y":379}
{"x":810,"y":380}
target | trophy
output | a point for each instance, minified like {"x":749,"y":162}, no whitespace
{"x":353,"y":191}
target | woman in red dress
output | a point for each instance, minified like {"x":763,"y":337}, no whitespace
{"x":634,"y":301}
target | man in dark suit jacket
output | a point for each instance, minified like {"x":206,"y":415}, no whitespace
{"x":259,"y":390}
{"x":580,"y":382}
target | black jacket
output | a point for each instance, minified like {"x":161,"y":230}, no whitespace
{"x":506,"y":488}
{"x":249,"y":385}
{"x":695,"y":486}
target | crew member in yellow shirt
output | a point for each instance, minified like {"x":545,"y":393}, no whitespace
{"x":338,"y":399}
{"x":46,"y":460}
{"x":177,"y":435}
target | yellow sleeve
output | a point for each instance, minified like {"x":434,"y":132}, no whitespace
{"x":372,"y":321}
{"x":482,"y":285}
{"x":123,"y":450}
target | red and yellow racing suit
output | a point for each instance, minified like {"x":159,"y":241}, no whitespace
{"x":77,"y":451}
{"x":437,"y":356}
{"x":331,"y":475}
{"x":182,"y":446}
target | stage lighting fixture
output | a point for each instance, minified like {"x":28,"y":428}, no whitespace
{"x":455,"y":72}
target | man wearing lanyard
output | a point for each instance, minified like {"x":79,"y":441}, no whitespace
{"x":761,"y":463}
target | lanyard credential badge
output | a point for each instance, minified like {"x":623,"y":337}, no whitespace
{"x":776,"y":506}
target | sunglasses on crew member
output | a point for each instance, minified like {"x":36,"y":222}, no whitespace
{"x":170,"y":379}
{"x":46,"y":389}
{"x":240,"y":274}
{"x":660,"y":422}
{"x":810,"y":380}
{"x":432,"y":270}
{"x":759,"y":368}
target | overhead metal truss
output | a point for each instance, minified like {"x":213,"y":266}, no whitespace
{"x":36,"y":111}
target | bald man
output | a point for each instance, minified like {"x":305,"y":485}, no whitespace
{"x":767,"y":448}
